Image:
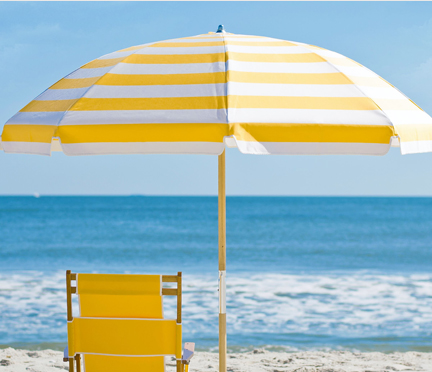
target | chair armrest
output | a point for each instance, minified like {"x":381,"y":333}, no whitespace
{"x":65,"y":354}
{"x":188,"y":352}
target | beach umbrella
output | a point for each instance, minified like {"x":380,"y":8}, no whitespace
{"x":196,"y":95}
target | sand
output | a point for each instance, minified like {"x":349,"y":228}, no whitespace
{"x":13,"y":360}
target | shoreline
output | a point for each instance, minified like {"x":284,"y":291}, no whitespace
{"x":258,"y":360}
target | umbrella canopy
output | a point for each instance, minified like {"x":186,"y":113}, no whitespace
{"x":194,"y":95}
{"x":189,"y":95}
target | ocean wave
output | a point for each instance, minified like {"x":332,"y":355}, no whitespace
{"x":319,"y":310}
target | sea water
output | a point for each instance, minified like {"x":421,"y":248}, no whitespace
{"x":303,"y":273}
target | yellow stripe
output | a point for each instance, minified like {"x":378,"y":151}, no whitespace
{"x":51,"y":106}
{"x":103,"y":62}
{"x":278,"y":58}
{"x":418,"y":132}
{"x":75,"y":83}
{"x":186,"y":45}
{"x":287,"y":78}
{"x":171,"y":103}
{"x":263,"y":132}
{"x":28,"y":133}
{"x":142,"y":133}
{"x":161,"y":79}
{"x":305,"y":103}
{"x":175,"y":58}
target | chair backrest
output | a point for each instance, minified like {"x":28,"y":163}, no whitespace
{"x":121,"y":316}
{"x":120,"y":296}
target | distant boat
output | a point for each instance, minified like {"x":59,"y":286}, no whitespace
{"x":36,"y":195}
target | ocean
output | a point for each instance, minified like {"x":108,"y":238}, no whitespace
{"x":303,"y":273}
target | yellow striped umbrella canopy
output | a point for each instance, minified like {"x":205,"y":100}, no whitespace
{"x":195,"y":94}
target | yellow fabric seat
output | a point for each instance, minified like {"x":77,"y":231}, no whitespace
{"x":121,"y":325}
{"x":115,"y":363}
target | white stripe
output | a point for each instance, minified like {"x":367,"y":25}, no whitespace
{"x":267,"y":50}
{"x":37,"y":118}
{"x":276,"y":67}
{"x":83,"y":73}
{"x":359,"y":117}
{"x":35,"y":148}
{"x":144,"y":116}
{"x":209,"y":38}
{"x":362,"y":117}
{"x":222,"y":292}
{"x":312,"y":148}
{"x":59,"y":94}
{"x":293,"y":90}
{"x":415,"y":147}
{"x":325,"y":53}
{"x":224,"y":35}
{"x":156,"y":91}
{"x":184,"y":50}
{"x":183,"y":68}
{"x":408,"y":117}
{"x":382,"y":92}
{"x":355,"y":71}
{"x":205,"y":36}
{"x":121,"y":54}
{"x":207,"y":90}
{"x":197,"y":148}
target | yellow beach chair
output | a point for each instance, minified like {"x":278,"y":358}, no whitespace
{"x":121,"y":326}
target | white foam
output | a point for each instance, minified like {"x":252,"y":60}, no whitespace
{"x":33,"y":305}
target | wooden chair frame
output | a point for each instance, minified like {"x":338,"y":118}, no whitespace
{"x":70,"y":289}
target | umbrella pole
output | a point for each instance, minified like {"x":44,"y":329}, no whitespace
{"x":222,"y":263}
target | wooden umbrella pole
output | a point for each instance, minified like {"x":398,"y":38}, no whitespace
{"x":222,"y":264}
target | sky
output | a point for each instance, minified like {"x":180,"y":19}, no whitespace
{"x":40,"y":42}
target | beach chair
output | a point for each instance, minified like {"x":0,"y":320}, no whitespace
{"x":121,"y":326}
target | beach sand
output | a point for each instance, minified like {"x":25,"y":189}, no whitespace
{"x":13,"y":360}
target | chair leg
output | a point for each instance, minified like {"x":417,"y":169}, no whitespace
{"x":71,"y":365}
{"x":179,"y":366}
{"x":78,"y":362}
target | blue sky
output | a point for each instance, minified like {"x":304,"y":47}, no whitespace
{"x":40,"y":42}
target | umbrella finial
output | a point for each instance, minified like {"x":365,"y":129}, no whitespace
{"x":220,"y":29}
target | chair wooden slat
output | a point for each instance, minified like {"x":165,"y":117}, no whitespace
{"x":169,"y":291}
{"x":169,"y":278}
